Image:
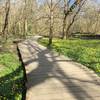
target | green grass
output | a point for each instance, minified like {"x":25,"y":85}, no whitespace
{"x":86,"y":52}
{"x":11,"y":77}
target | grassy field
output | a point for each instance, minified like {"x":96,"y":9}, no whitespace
{"x":86,"y":52}
{"x":11,"y":77}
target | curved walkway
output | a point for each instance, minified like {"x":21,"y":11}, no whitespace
{"x":54,"y":77}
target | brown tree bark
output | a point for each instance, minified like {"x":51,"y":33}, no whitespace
{"x":73,"y":19}
{"x":5,"y":28}
{"x":51,"y":24}
{"x":25,"y":27}
{"x":64,"y":19}
{"x":67,"y":10}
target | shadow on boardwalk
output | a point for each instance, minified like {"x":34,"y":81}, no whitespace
{"x":48,"y":67}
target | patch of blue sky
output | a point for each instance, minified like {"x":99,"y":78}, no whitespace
{"x":98,"y":1}
{"x":40,"y":2}
{"x":71,"y":2}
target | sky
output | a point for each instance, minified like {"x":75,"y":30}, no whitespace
{"x":41,"y":1}
{"x":98,"y":1}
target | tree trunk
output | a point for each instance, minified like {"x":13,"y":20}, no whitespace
{"x":1,"y":23}
{"x":25,"y":27}
{"x":19,"y":27}
{"x":64,"y":27}
{"x":73,"y":19}
{"x":50,"y":35}
{"x":66,"y":13}
{"x":51,"y":24}
{"x":5,"y":28}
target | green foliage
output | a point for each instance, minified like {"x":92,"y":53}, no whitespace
{"x":86,"y":52}
{"x":11,"y":77}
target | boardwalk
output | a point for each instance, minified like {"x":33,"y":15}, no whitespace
{"x":54,"y":77}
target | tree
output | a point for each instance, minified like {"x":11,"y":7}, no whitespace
{"x":67,"y":11}
{"x":7,"y":10}
{"x":52,"y":7}
{"x":74,"y":16}
{"x":52,"y":18}
{"x":51,"y":23}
